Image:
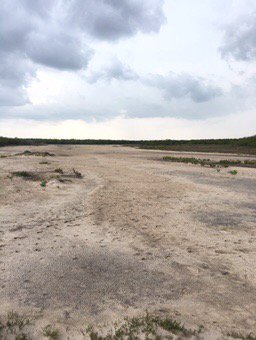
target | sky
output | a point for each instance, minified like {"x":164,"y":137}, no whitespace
{"x":128,"y":69}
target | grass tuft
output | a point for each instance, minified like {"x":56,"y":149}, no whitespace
{"x":207,"y":162}
{"x":233,"y":172}
{"x":50,"y":332}
{"x":77,"y":173}
{"x":43,"y":183}
{"x":59,"y":171}
{"x":16,"y":321}
{"x":23,"y":174}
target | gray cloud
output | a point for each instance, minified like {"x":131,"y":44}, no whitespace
{"x":53,"y":34}
{"x":240,"y":39}
{"x":9,"y":97}
{"x":15,"y":74}
{"x":172,"y":85}
{"x":34,"y":31}
{"x":58,"y":50}
{"x":184,"y":85}
{"x":115,"y":70}
{"x":114,"y":19}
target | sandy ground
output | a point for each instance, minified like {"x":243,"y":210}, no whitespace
{"x":134,"y":234}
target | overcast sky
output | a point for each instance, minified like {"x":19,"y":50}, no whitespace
{"x":128,"y":69}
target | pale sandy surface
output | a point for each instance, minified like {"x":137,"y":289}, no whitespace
{"x":134,"y":234}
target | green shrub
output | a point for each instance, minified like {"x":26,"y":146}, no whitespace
{"x":23,"y":174}
{"x":43,"y":183}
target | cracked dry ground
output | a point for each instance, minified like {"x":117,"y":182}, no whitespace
{"x":134,"y":234}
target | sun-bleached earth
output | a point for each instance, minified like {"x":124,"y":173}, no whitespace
{"x":134,"y":234}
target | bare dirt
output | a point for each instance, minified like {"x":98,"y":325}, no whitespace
{"x":134,"y":234}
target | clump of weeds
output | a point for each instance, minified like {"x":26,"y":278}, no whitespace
{"x":145,"y":327}
{"x":13,"y":326}
{"x":77,"y":173}
{"x":50,"y":332}
{"x":233,"y":172}
{"x":43,"y":183}
{"x":59,"y":171}
{"x":225,"y":163}
{"x":37,"y":153}
{"x":235,"y":335}
{"x":32,"y":176}
{"x":23,"y":174}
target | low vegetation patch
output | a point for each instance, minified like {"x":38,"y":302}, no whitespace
{"x":77,"y":173}
{"x":37,"y":153}
{"x":50,"y":332}
{"x":207,"y":162}
{"x":14,"y":324}
{"x":23,"y":174}
{"x":59,"y":171}
{"x":45,"y":177}
{"x":43,"y":183}
{"x":235,"y":335}
{"x":146,"y":327}
{"x":149,"y":326}
{"x":233,"y":172}
{"x":26,"y":175}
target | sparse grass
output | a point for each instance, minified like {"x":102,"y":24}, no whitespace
{"x":207,"y":162}
{"x":23,"y":174}
{"x":77,"y":173}
{"x":250,"y":162}
{"x":235,"y":335}
{"x":226,"y":163}
{"x":149,"y":326}
{"x":15,"y":320}
{"x":145,"y":327}
{"x":32,"y":176}
{"x":12,"y":326}
{"x":50,"y":332}
{"x":59,"y":171}
{"x":175,"y":327}
{"x":43,"y":183}
{"x":21,"y":336}
{"x":233,"y":172}
{"x":37,"y":153}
